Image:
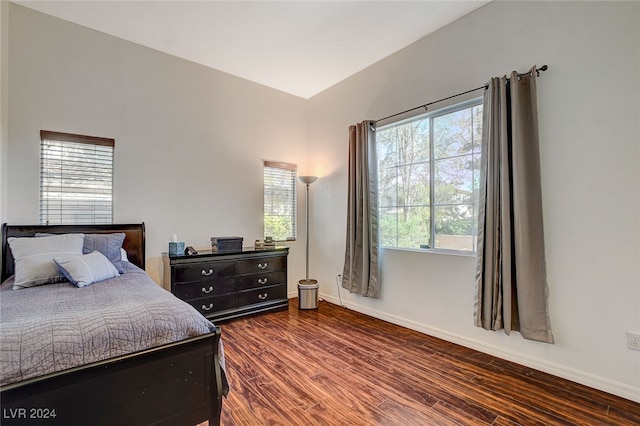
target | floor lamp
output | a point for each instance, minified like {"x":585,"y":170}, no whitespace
{"x":308,"y":287}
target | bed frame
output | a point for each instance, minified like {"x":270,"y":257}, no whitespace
{"x":174,"y":384}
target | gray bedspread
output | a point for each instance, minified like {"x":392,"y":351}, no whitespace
{"x":54,"y":327}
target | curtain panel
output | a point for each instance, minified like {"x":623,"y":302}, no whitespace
{"x":511,"y":280}
{"x":361,"y":268}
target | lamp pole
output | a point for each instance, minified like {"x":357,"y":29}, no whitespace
{"x":307,"y":180}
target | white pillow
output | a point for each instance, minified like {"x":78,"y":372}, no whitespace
{"x":123,"y":255}
{"x":33,"y":258}
{"x":86,"y":269}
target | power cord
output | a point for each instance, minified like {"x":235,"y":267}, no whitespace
{"x":338,"y":278}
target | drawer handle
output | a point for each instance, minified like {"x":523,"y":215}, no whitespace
{"x":207,"y":273}
{"x":207,"y":308}
{"x":262,"y":265}
{"x":262,"y":296}
{"x":207,"y":291}
{"x":262,"y":280}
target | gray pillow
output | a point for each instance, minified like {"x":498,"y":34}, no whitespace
{"x":107,"y":244}
{"x":86,"y":269}
{"x":33,"y":258}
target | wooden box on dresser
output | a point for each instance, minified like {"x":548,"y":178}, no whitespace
{"x":225,"y":285}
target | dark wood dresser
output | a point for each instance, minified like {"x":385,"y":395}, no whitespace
{"x":227,"y":285}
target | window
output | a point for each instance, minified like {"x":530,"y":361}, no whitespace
{"x":76,"y":179}
{"x":428,"y":179}
{"x":280,"y":200}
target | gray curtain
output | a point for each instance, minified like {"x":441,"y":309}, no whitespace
{"x":361,"y":268}
{"x":511,"y":281}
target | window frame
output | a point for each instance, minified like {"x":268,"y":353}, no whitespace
{"x":431,"y":115}
{"x":292,"y":169}
{"x":52,"y":136}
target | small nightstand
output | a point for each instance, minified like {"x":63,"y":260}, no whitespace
{"x":223,"y":285}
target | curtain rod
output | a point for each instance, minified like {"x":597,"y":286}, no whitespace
{"x":538,"y":70}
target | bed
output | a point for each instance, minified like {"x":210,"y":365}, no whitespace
{"x":130,"y":380}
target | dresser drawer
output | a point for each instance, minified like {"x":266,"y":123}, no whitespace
{"x":265,"y":264}
{"x":210,"y":305}
{"x":263,"y":294}
{"x":222,"y":286}
{"x":203,"y":271}
{"x":197,"y":290}
{"x":247,"y":282}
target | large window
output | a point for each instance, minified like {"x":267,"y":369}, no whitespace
{"x":76,"y":179}
{"x":280,"y":200}
{"x":428,"y":177}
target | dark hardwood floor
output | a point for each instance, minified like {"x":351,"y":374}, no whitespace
{"x":334,"y":366}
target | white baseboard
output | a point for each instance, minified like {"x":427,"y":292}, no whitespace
{"x":584,"y":378}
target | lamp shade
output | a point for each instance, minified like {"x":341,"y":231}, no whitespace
{"x":307,"y":180}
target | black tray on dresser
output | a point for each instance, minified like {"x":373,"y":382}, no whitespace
{"x":225,"y":285}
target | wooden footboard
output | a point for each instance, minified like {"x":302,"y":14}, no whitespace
{"x":177,"y":384}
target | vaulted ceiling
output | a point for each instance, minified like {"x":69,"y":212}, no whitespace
{"x":299,"y":47}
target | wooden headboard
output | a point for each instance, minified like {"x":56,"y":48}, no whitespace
{"x":134,"y":242}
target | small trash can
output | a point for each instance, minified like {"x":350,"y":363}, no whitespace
{"x":308,"y":294}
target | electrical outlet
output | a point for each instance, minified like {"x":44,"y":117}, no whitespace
{"x":633,"y":341}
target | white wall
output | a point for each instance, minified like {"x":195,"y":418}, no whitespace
{"x":4,"y":116}
{"x":189,"y":145}
{"x":189,"y":140}
{"x":589,"y":110}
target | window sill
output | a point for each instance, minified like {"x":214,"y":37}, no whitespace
{"x":433,"y":251}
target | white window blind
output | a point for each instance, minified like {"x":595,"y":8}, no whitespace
{"x":280,"y":200}
{"x":76,"y":179}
